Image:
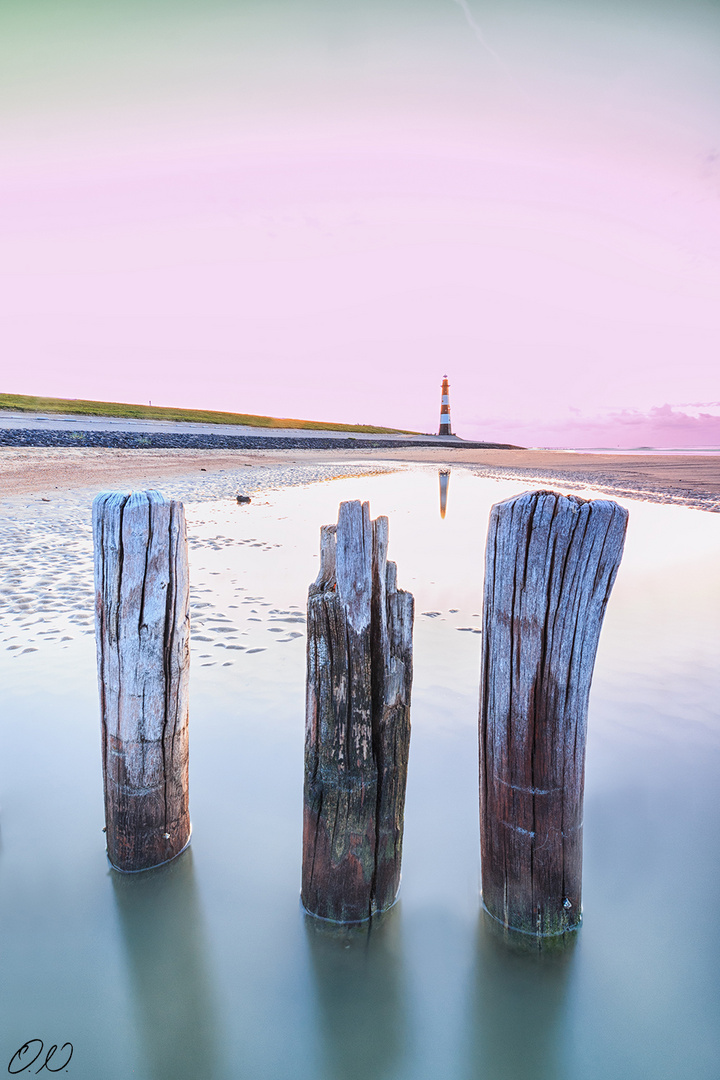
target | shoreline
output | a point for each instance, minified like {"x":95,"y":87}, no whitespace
{"x":684,"y":479}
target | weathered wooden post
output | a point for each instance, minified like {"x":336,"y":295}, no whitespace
{"x":551,"y":562}
{"x":357,"y":732}
{"x":143,"y":652}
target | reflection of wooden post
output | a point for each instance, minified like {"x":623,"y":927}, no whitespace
{"x":170,"y":985}
{"x":357,"y":732}
{"x":551,"y":562}
{"x":143,"y":651}
{"x":359,"y":987}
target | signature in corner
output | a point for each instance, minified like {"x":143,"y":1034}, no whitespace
{"x":30,"y":1052}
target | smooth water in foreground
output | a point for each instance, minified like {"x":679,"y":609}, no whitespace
{"x":208,"y":967}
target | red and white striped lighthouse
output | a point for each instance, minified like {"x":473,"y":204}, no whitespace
{"x":445,"y":428}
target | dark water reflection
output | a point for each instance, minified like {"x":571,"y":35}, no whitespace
{"x":358,"y":981}
{"x":162,"y":930}
{"x":517,"y":1004}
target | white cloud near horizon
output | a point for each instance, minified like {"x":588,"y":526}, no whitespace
{"x":668,"y":425}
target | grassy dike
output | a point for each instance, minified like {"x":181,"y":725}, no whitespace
{"x":78,"y":407}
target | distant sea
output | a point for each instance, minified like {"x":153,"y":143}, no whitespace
{"x":633,"y":449}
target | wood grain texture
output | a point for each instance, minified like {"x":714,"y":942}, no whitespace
{"x":551,"y":562}
{"x":143,"y":653}
{"x":357,"y":735}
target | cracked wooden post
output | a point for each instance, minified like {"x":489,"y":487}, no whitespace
{"x":142,"y":629}
{"x":551,"y":562}
{"x":357,"y":733}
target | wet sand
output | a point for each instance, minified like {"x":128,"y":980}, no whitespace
{"x":42,"y":470}
{"x":686,"y":479}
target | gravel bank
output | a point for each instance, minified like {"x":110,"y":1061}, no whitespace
{"x":125,"y":440}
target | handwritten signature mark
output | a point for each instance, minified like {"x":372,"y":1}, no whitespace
{"x":30,"y":1052}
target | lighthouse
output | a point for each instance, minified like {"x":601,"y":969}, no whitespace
{"x":445,"y":428}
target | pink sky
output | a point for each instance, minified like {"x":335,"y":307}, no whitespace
{"x":333,"y":256}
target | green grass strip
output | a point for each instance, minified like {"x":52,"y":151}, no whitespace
{"x":78,"y":407}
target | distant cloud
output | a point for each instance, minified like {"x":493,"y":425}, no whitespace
{"x":695,"y":418}
{"x":692,"y":424}
{"x":700,"y":408}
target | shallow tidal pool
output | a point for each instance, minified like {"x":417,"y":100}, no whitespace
{"x":208,"y":967}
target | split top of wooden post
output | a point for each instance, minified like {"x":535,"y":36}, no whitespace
{"x":357,"y":732}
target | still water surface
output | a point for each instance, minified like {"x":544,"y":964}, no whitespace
{"x":208,"y":967}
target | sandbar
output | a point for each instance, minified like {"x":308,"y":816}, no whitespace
{"x":686,"y":479}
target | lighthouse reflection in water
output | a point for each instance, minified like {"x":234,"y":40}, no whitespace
{"x":444,"y":475}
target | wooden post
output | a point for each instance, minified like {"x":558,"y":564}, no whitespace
{"x":551,"y":562}
{"x":143,"y":654}
{"x":357,"y":733}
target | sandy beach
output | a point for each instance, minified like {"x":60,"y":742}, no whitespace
{"x":685,"y":479}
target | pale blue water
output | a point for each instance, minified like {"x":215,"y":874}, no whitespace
{"x":209,"y":968}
